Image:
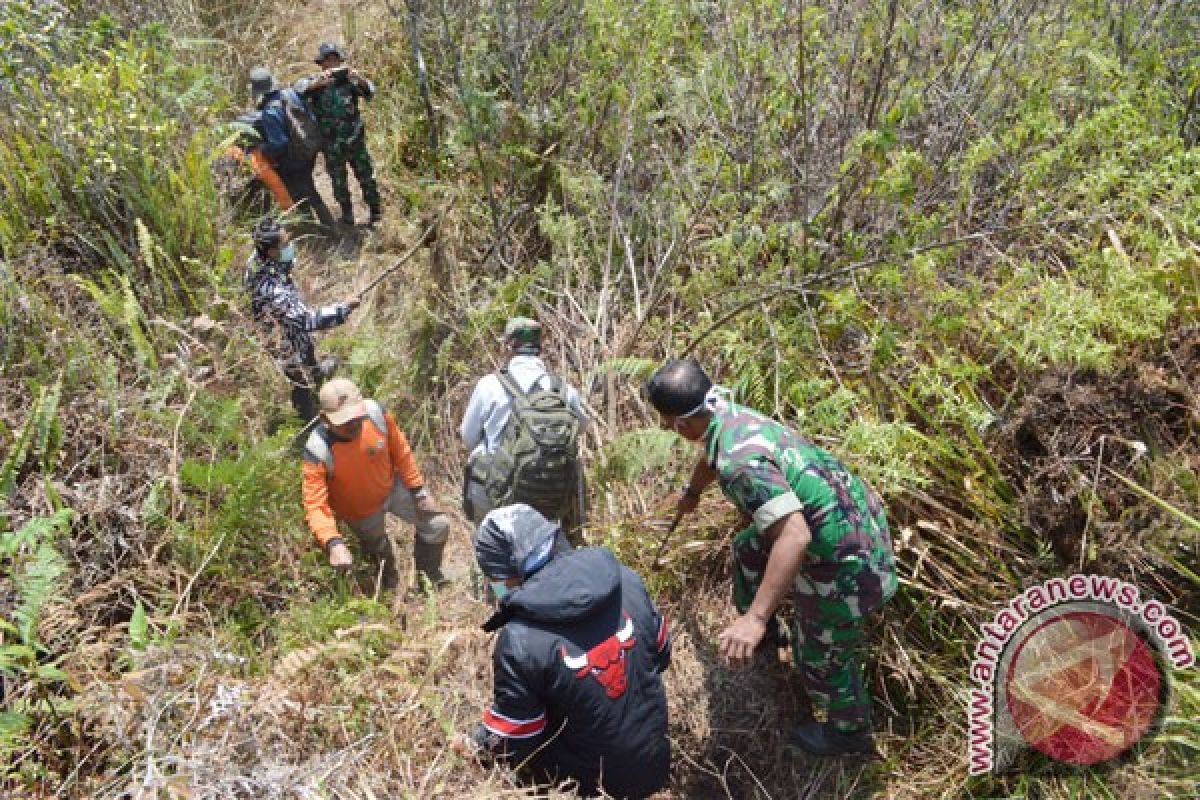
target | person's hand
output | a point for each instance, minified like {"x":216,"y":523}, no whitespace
{"x":355,"y":76}
{"x":351,"y":304}
{"x":340,"y":558}
{"x":427,"y":505}
{"x":737,"y":643}
{"x":465,"y":746}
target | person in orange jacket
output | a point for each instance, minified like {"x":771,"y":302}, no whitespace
{"x":358,"y":468}
{"x":244,"y":155}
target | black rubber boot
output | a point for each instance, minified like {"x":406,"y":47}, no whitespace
{"x":428,"y":560}
{"x":823,"y":739}
{"x":383,"y":553}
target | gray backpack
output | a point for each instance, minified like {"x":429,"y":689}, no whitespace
{"x":537,"y":459}
{"x":305,"y":139}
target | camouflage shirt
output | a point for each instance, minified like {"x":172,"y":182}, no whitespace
{"x":770,"y":472}
{"x":277,"y":306}
{"x":336,"y":107}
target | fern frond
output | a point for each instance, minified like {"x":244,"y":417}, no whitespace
{"x":635,"y":453}
{"x":39,"y":571}
{"x":34,"y":438}
{"x":630,"y":367}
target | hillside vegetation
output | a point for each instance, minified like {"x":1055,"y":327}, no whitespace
{"x":956,"y":243}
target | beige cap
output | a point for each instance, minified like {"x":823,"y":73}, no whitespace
{"x":341,"y":401}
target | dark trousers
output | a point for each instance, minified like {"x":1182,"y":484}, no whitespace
{"x":298,"y":178}
{"x":304,"y":380}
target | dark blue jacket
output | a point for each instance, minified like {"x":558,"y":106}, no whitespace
{"x":578,"y":685}
{"x":275,"y":124}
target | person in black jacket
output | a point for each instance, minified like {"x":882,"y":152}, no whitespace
{"x":577,"y":666}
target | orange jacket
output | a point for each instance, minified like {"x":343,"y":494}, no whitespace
{"x":365,"y":470}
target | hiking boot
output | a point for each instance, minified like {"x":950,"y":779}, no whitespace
{"x":428,"y":560}
{"x":823,"y":739}
{"x":379,"y":547}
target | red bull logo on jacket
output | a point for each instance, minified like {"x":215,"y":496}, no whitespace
{"x":606,"y":661}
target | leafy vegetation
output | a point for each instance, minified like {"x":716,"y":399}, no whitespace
{"x":959,"y":244}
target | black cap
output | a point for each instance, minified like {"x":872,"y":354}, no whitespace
{"x":267,"y":234}
{"x":326,"y":50}
{"x":678,"y":387}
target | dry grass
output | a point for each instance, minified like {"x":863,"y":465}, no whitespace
{"x":366,"y":710}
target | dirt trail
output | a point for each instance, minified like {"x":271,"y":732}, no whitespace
{"x":363,"y":252}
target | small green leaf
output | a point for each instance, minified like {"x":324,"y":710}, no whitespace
{"x":139,"y":628}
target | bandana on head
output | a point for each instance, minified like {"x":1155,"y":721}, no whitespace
{"x":716,"y":396}
{"x":514,"y":542}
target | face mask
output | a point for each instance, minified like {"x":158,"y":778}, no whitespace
{"x":499,"y":589}
{"x":288,"y":254}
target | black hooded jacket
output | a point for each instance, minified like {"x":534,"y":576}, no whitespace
{"x":578,"y":686}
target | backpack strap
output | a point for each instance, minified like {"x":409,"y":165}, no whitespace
{"x":319,"y":448}
{"x":508,"y":382}
{"x":519,"y":398}
{"x":376,"y":415}
{"x":553,"y":384}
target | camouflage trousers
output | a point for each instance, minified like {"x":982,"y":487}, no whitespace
{"x":353,"y":152}
{"x":828,"y":637}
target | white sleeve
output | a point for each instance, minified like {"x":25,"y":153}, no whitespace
{"x":471,"y":429}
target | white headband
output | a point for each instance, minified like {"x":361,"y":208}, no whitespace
{"x":712,"y":398}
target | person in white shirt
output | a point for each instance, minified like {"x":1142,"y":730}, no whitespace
{"x":490,"y":408}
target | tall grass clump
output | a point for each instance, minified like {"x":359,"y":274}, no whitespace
{"x":104,"y":146}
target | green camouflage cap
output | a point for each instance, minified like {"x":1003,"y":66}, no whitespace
{"x":523,"y":330}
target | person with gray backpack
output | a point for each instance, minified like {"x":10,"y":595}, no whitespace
{"x":522,"y":428}
{"x":291,"y":141}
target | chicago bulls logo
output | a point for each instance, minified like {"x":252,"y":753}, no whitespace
{"x":605,"y":661}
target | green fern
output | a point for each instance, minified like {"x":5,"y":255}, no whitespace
{"x":38,"y":435}
{"x":630,"y":367}
{"x":38,"y":568}
{"x":120,"y":304}
{"x":633,"y":454}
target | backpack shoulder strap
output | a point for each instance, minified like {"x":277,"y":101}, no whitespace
{"x":376,"y":415}
{"x":509,"y":382}
{"x":319,"y":449}
{"x":554,"y":384}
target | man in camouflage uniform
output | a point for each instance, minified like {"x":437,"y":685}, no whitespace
{"x":333,"y":96}
{"x":812,"y":527}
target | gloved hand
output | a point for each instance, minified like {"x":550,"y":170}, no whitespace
{"x":340,"y":557}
